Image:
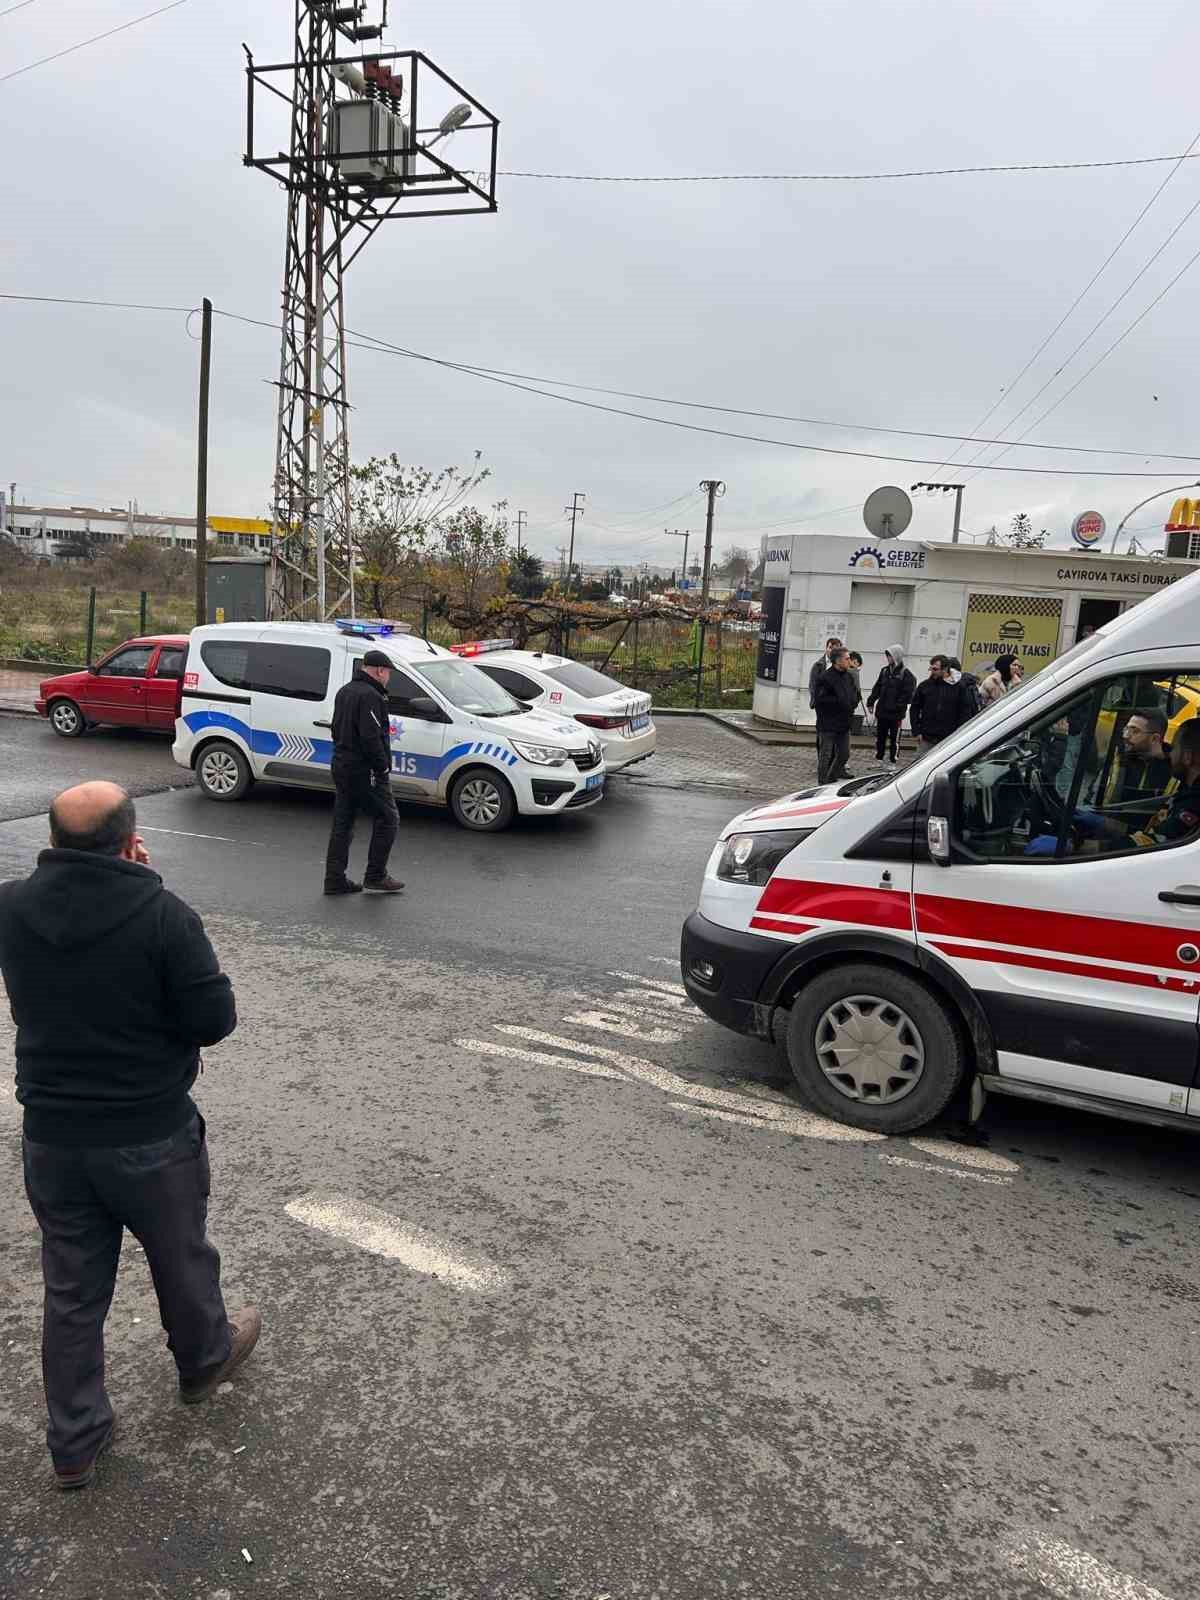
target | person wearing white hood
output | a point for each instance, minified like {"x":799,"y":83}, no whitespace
{"x":890,"y":700}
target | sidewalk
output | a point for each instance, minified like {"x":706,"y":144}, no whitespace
{"x":696,"y":752}
{"x":770,"y":733}
{"x":18,"y":690}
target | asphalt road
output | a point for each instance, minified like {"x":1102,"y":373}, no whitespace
{"x":564,"y":1299}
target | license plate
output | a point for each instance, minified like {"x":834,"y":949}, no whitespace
{"x":638,"y":723}
{"x":596,"y":782}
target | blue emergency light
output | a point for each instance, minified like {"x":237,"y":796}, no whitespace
{"x":371,"y":630}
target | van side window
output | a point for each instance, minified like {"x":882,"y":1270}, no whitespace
{"x":294,"y":671}
{"x":1110,"y":771}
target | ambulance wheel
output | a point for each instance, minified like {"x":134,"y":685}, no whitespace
{"x":482,"y":801}
{"x":869,"y":1046}
{"x":67,"y":720}
{"x":222,"y":772}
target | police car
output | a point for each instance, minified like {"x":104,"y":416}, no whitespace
{"x":258,"y":704}
{"x":618,"y":716}
{"x":985,"y":919}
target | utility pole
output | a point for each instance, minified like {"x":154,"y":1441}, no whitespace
{"x":712,"y":487}
{"x":945,"y":488}
{"x":574,"y":510}
{"x":358,"y":156}
{"x":202,"y":467}
{"x":522,"y":519}
{"x":677,"y":533}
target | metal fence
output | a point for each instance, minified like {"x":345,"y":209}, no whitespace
{"x":77,"y":625}
{"x":680,"y":663}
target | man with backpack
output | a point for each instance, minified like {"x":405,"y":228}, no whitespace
{"x":889,"y":701}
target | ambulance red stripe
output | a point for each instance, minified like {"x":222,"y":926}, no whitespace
{"x":838,"y":902}
{"x":1061,"y":932}
{"x":1017,"y":958}
{"x":776,"y":926}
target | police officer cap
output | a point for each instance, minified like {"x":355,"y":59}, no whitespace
{"x":375,"y":658}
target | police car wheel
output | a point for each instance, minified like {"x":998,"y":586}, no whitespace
{"x":222,"y":772}
{"x":874,"y":1048}
{"x":67,"y":720}
{"x":482,"y":801}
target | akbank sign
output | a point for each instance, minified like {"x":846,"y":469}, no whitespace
{"x":874,"y":558}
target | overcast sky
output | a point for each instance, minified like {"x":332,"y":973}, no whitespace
{"x":909,"y":304}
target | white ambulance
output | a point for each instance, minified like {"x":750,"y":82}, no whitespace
{"x":1018,"y":911}
{"x":258,"y":704}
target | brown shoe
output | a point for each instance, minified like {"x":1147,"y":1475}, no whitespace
{"x":79,"y":1477}
{"x":246,"y":1326}
{"x":382,"y":886}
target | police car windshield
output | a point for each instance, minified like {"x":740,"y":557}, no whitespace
{"x":469,"y":689}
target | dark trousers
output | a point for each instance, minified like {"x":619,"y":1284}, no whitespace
{"x":887,"y":731}
{"x":82,"y":1199}
{"x":833,"y":751}
{"x":358,"y":790}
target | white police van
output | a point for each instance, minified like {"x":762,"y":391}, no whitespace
{"x":258,"y":704}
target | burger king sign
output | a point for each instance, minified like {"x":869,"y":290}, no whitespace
{"x":1088,"y":529}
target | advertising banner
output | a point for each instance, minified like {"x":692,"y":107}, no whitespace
{"x":1021,"y":625}
{"x":770,"y":633}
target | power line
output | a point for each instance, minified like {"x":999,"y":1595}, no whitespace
{"x":95,"y":39}
{"x":501,"y":374}
{"x":839,"y":177}
{"x":725,"y":433}
{"x":20,"y":7}
{"x":1095,"y":328}
{"x":1008,"y":388}
{"x":1099,"y":361}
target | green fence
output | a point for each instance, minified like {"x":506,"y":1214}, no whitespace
{"x":77,"y":625}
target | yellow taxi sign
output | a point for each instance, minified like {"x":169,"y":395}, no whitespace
{"x":238,"y":525}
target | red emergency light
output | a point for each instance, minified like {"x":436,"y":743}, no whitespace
{"x":480,"y":647}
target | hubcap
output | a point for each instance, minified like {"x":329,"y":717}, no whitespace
{"x":220,"y":772}
{"x":870,"y":1050}
{"x":66,"y":718}
{"x":479,"y":801}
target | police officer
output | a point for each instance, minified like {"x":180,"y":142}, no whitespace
{"x":362,"y":765}
{"x":1179,"y":817}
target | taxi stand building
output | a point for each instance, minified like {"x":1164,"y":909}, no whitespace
{"x":970,"y":601}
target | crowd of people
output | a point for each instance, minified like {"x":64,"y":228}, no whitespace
{"x":935,"y":707}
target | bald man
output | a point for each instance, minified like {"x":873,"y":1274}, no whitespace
{"x":114,"y":987}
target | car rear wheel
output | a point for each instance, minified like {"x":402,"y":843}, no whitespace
{"x":222,"y":772}
{"x":874,"y":1048}
{"x":482,"y":801}
{"x":67,"y":720}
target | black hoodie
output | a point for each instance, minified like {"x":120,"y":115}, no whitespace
{"x":113,"y":987}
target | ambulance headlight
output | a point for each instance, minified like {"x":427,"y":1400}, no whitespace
{"x":753,"y":857}
{"x":541,"y":755}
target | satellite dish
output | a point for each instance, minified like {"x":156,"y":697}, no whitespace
{"x":888,"y":512}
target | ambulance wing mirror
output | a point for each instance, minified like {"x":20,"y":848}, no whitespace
{"x":941,"y":814}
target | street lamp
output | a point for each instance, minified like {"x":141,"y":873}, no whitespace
{"x":1158,"y":493}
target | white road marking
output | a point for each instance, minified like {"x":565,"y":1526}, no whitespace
{"x":626,"y":1027}
{"x":965,"y":1155}
{"x":793,"y":1121}
{"x":650,"y":983}
{"x":538,"y":1058}
{"x":372,"y":1229}
{"x":780,"y":1114}
{"x":665,"y":961}
{"x":660,"y":1000}
{"x":218,"y":838}
{"x":1072,"y":1574}
{"x":711,"y":1111}
{"x":946,"y":1172}
{"x":644,"y":1003}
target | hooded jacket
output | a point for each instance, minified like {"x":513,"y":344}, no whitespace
{"x":114,"y":987}
{"x":938,"y":708}
{"x":894,"y":688}
{"x":361,"y":741}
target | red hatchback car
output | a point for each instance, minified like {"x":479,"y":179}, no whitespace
{"x":137,"y":685}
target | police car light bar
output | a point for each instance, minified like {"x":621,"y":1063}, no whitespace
{"x":371,"y":630}
{"x":480,"y":647}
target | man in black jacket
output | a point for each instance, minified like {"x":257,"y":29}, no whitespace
{"x":362,"y":766}
{"x":937,"y":706}
{"x":114,"y":988}
{"x":836,"y":696}
{"x":894,"y":688}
